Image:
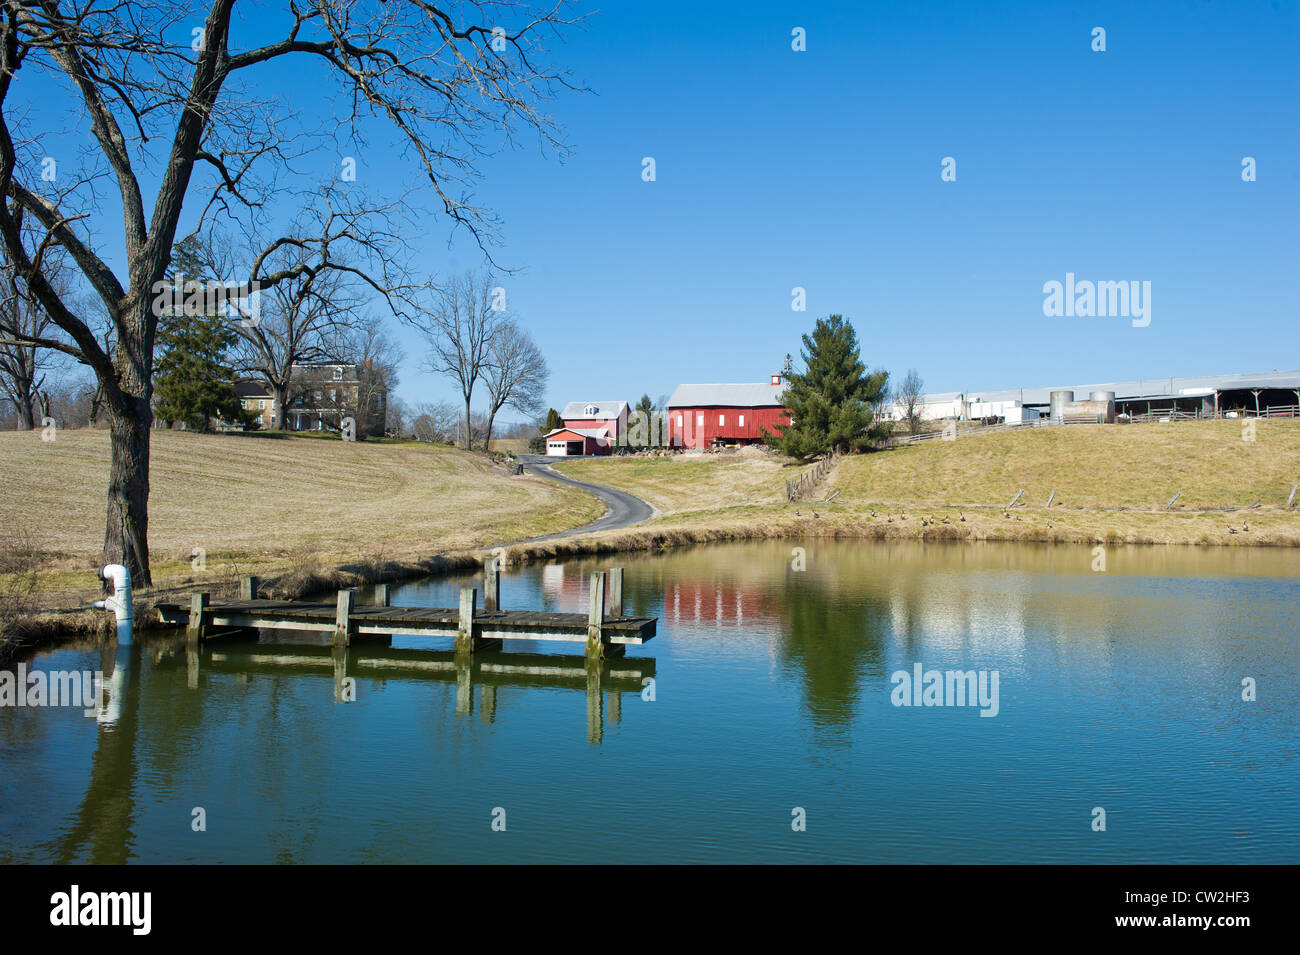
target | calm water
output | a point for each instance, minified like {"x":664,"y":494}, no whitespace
{"x":772,"y":690}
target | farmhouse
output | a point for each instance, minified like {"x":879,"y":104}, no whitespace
{"x":704,"y":415}
{"x":590,"y":427}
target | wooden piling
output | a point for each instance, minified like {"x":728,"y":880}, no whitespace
{"x":596,"y":617}
{"x":248,"y":587}
{"x":198,"y":607}
{"x":491,"y":586}
{"x":616,"y":592}
{"x":465,"y":629}
{"x":343,"y":619}
{"x":381,"y":595}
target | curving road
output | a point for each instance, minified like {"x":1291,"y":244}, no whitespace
{"x":624,"y":509}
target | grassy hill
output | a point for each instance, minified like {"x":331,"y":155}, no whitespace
{"x":262,"y":504}
{"x":1112,"y":482}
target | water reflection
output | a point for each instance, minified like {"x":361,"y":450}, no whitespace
{"x":1120,"y":689}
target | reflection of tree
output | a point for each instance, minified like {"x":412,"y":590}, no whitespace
{"x":837,"y":641}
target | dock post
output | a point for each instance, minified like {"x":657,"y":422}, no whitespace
{"x":381,"y":595}
{"x":487,"y":697}
{"x":339,"y":657}
{"x":614,"y":705}
{"x":595,"y":702}
{"x":616,"y":592}
{"x":465,"y":629}
{"x":342,"y":619}
{"x":596,"y":617}
{"x":464,"y":685}
{"x":248,"y":587}
{"x":196,"y":630}
{"x":491,"y":586}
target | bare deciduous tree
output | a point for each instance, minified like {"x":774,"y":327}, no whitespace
{"x":460,"y":325}
{"x":908,"y":399}
{"x":439,"y":80}
{"x":516,"y":373}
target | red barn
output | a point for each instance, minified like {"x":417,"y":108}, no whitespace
{"x":590,"y":427}
{"x":703,"y":415}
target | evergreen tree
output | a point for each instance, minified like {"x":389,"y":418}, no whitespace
{"x":553,"y":421}
{"x":193,"y":380}
{"x":830,"y":401}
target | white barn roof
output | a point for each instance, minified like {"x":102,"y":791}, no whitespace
{"x":760,"y":395}
{"x":604,"y":410}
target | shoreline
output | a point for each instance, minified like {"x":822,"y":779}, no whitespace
{"x":44,"y":630}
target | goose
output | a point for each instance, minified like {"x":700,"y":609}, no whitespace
{"x":1246,"y":528}
{"x":963,"y":518}
{"x":1232,"y":530}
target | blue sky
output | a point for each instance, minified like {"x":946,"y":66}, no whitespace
{"x":821,"y":169}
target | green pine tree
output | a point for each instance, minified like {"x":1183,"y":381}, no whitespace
{"x":553,"y":421}
{"x":193,"y":380}
{"x":830,"y":402}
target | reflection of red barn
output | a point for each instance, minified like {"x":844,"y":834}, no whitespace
{"x":702,"y":415}
{"x":687,"y":601}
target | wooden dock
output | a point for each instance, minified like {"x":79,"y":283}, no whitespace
{"x":471,"y":627}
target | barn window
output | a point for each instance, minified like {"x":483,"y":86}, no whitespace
{"x":722,"y":419}
{"x":699,"y":421}
{"x":742,"y":421}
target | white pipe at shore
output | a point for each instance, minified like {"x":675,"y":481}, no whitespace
{"x":120,"y":602}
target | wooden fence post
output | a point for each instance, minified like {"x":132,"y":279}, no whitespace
{"x":616,"y":592}
{"x":465,"y":628}
{"x":248,"y":588}
{"x":596,"y":617}
{"x":197,"y":629}
{"x":491,"y":586}
{"x":343,"y":619}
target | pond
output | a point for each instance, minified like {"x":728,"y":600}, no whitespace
{"x":1144,"y":713}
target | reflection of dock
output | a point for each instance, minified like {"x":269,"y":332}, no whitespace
{"x":472,"y":628}
{"x":604,"y":681}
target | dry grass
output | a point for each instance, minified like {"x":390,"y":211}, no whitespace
{"x":264,"y":505}
{"x":1091,"y":466}
{"x":692,"y":482}
{"x":1112,"y":484}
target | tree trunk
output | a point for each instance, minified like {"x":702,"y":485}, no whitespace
{"x":26,"y":413}
{"x":279,"y":397}
{"x":469,"y":434}
{"x":487,"y":440}
{"x":126,"y":534}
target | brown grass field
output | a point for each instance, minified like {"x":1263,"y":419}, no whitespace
{"x":267,"y":504}
{"x":313,"y":514}
{"x":1112,"y":483}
